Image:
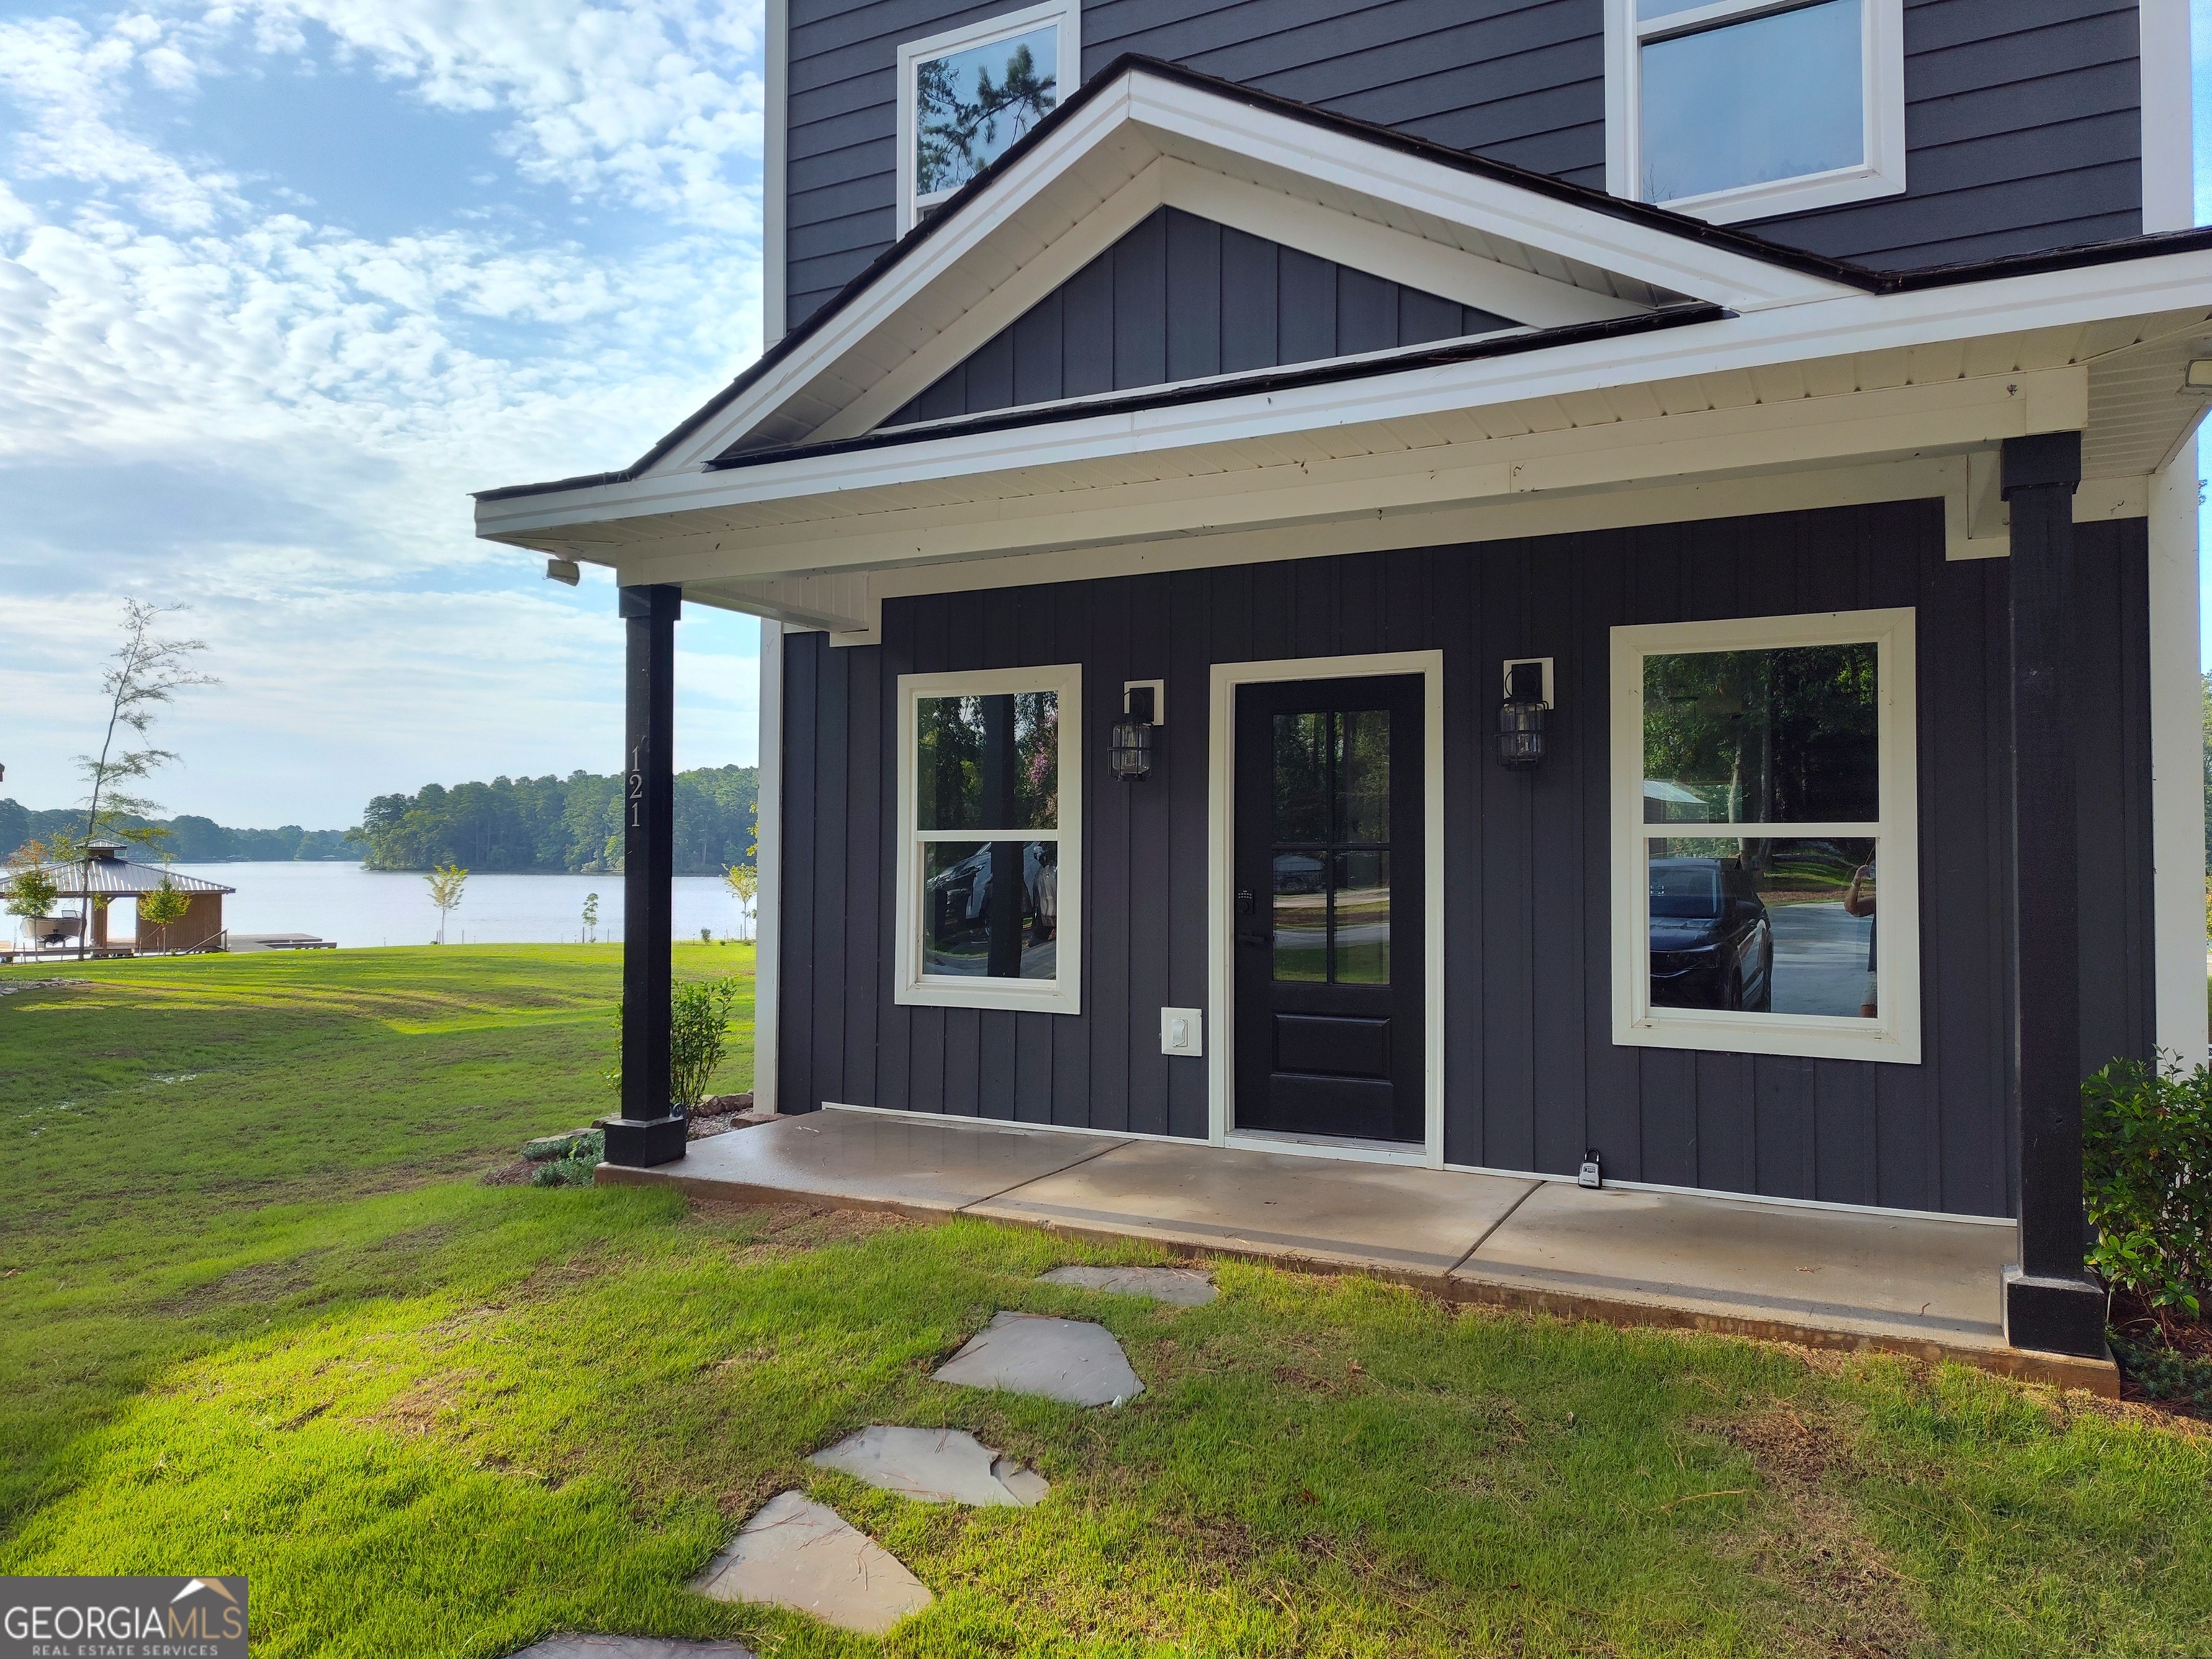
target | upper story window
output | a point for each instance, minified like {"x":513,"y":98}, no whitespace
{"x":967,"y":94}
{"x":1766,"y":837}
{"x":990,"y":804}
{"x":1741,"y":109}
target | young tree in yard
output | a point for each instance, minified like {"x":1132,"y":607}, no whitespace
{"x":149,"y":671}
{"x":743,"y":882}
{"x":591,"y":918}
{"x":445,"y":883}
{"x":166,"y":904}
{"x":31,"y":890}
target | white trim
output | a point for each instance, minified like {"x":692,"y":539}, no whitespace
{"x":1894,"y":1035}
{"x":910,"y":985}
{"x":1746,"y":1198}
{"x":2176,"y":756}
{"x":2169,"y":185}
{"x":1881,"y":82}
{"x":1065,"y":14}
{"x":1345,"y":1149}
{"x":767,"y":898}
{"x":776,"y":173}
{"x":1221,"y":878}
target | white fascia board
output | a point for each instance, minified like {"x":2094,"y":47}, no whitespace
{"x":1662,"y":258}
{"x":1944,"y":415}
{"x":2169,"y":188}
{"x":1830,"y":328}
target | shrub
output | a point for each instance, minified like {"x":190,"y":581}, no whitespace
{"x":575,"y":1166}
{"x":2147,"y":1172}
{"x":698,"y":1031}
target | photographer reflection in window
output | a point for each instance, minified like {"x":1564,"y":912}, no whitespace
{"x":1859,"y":901}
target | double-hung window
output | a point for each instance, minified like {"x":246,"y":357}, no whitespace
{"x":967,"y":94}
{"x":990,"y":810}
{"x":1765,"y":894}
{"x":1739,"y":109}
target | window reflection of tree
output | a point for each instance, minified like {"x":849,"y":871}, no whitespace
{"x":1762,"y":737}
{"x":956,"y":137}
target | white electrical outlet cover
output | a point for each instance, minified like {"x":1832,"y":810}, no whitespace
{"x":1182,"y":1032}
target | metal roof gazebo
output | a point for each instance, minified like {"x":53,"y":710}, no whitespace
{"x":106,"y":875}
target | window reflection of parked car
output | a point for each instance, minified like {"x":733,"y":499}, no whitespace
{"x":1297,"y":873}
{"x":1712,"y":945}
{"x":960,"y":895}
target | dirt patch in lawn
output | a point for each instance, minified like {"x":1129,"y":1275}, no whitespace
{"x":257,"y":1282}
{"x":784,"y":1230}
{"x":1844,"y":1598}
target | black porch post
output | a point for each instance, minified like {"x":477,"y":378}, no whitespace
{"x":2051,"y":1303}
{"x":650,"y":1130}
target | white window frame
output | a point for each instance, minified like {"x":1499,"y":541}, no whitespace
{"x":1062,"y":995}
{"x":1894,"y":1035}
{"x":1881,"y":82}
{"x":1068,"y":75}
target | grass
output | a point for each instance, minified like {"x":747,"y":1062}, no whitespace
{"x":257,"y":1314}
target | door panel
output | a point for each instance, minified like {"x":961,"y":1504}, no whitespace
{"x":1329,"y":907}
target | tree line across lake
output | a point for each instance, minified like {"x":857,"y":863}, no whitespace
{"x":549,"y":824}
{"x":558,"y":823}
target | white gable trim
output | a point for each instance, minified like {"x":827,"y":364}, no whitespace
{"x":1399,"y":191}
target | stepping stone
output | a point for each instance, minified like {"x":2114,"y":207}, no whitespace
{"x":803,"y":1555}
{"x":1187,"y":1287}
{"x":1069,"y":1359}
{"x":936,"y":1466}
{"x":569,"y":1645}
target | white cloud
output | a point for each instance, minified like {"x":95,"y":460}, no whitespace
{"x":219,"y":398}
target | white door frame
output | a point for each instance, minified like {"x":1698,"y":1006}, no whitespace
{"x":1220,"y":921}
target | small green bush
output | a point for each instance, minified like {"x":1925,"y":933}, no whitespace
{"x":2163,"y":1373}
{"x":2147,"y":1174}
{"x":698,"y":1034}
{"x":575,"y":1166}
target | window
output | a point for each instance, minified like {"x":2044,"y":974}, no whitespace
{"x":1741,"y":109}
{"x":990,"y":810}
{"x":1765,"y":894}
{"x":966,"y":95}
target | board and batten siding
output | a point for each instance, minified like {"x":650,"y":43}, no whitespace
{"x":1182,"y":298}
{"x":1532,"y":1076}
{"x":2022,"y":123}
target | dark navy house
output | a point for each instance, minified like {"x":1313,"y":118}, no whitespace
{"x":1479,"y":585}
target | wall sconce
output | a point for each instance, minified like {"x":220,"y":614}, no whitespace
{"x":1130,"y":754}
{"x":563,"y":571}
{"x":1521,"y":716}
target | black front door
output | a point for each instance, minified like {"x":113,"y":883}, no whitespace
{"x":1329,"y":907}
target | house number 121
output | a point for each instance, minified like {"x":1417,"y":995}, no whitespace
{"x":637,"y":787}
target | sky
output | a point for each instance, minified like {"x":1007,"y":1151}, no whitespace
{"x":281,"y":281}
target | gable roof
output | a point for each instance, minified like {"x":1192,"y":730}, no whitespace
{"x":1549,"y":240}
{"x":1610,"y":286}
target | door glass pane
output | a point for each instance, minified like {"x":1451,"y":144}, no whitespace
{"x":1303,"y":743}
{"x":1360,"y":937}
{"x":1764,"y":926}
{"x":1363,"y":793}
{"x":991,"y":910}
{"x":1777,"y":97}
{"x":1301,"y":916}
{"x":987,"y":763}
{"x":1762,"y":737}
{"x":971,"y":106}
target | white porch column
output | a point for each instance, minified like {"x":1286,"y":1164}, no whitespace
{"x":768,"y":900}
{"x":2177,"y":763}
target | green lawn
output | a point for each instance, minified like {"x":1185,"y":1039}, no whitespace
{"x":258,"y":1314}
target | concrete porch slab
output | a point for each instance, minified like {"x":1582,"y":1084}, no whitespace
{"x":1385,"y":1217}
{"x":1754,"y":1267}
{"x":917,"y":1166}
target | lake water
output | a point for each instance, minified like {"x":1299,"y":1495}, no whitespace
{"x":355,"y":907}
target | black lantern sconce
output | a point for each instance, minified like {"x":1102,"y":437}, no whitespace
{"x":1521,"y":716}
{"x":1136,"y":734}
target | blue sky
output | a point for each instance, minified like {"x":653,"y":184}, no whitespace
{"x":281,"y":281}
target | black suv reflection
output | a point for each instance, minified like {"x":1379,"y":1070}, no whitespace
{"x":1712,"y":944}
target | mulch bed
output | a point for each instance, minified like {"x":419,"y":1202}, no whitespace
{"x":2166,"y":1357}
